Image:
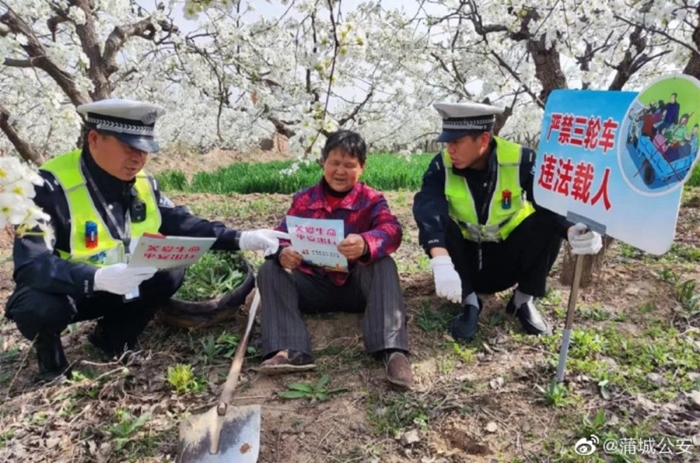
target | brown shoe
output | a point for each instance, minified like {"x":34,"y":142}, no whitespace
{"x":398,"y":370}
{"x":287,"y":362}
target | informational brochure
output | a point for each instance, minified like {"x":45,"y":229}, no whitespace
{"x":168,"y":252}
{"x":317,"y":241}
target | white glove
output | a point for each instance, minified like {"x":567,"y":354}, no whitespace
{"x":265,"y":240}
{"x":583,"y":241}
{"x":120,"y":278}
{"x":447,"y":281}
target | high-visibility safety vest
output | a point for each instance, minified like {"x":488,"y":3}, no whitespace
{"x":507,"y":206}
{"x":66,"y":169}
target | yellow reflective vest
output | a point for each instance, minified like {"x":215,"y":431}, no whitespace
{"x":508,"y":206}
{"x":66,"y":169}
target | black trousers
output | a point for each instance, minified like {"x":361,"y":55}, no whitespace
{"x":121,"y":322}
{"x":373,"y":289}
{"x":525,"y":258}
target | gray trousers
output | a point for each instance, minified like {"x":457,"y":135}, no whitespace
{"x":373,"y":289}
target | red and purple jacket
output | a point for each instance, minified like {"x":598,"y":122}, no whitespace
{"x":364,"y":211}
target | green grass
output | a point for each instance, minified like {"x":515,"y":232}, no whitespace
{"x":382,"y":172}
{"x":385,"y":172}
{"x":694,"y":179}
{"x":657,"y":349}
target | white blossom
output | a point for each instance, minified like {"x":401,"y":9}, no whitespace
{"x":229,"y":74}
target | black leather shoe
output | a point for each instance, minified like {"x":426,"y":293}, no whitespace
{"x":125,"y":352}
{"x":466,"y":324}
{"x":530,"y":319}
{"x":53,"y":366}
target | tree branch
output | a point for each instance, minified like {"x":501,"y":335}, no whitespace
{"x":353,"y":114}
{"x":39,"y":59}
{"x":692,"y":68}
{"x":53,"y":22}
{"x":19,"y":63}
{"x":655,"y":30}
{"x":512,"y":72}
{"x":546,"y":60}
{"x":27,"y":151}
{"x":121,"y":34}
{"x":625,"y":68}
{"x":280,"y":126}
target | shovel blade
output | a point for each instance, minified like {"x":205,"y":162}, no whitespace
{"x":231,"y":438}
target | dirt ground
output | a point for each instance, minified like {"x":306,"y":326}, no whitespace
{"x":190,"y":162}
{"x":488,"y":401}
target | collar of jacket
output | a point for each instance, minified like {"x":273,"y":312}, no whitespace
{"x":317,"y":197}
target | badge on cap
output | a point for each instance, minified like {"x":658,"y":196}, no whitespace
{"x":150,"y":117}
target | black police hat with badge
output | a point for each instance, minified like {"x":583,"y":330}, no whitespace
{"x":131,"y":122}
{"x":461,"y":119}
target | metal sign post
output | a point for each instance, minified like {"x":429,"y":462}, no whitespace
{"x":566,"y":339}
{"x":573,"y":295}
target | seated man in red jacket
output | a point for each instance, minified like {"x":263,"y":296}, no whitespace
{"x":289,"y":285}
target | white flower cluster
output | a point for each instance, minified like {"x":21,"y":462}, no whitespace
{"x":192,"y":8}
{"x":17,"y":207}
{"x":235,"y":70}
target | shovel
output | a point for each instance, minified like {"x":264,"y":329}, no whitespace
{"x":224,"y":434}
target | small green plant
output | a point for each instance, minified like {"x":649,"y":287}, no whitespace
{"x":228,"y":343}
{"x":585,"y":343}
{"x":594,"y":426}
{"x":647,"y":307}
{"x":685,"y":293}
{"x":6,"y":437}
{"x":313,"y":392}
{"x":128,"y":425}
{"x":216,"y":273}
{"x":555,"y":394}
{"x":209,"y":349}
{"x":496,"y":319}
{"x":668,"y":275}
{"x":10,"y":354}
{"x":429,"y":320}
{"x":392,"y":414}
{"x":182,"y":378}
{"x":445,"y":364}
{"x":38,"y":418}
{"x":467,"y":355}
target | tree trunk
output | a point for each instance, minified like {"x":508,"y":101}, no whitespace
{"x":692,"y":68}
{"x":591,"y":265}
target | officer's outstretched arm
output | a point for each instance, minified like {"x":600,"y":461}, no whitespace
{"x":179,"y":221}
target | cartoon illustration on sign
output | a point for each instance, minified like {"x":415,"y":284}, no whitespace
{"x":661,"y":127}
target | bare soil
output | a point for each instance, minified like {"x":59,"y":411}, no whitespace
{"x":189,"y":162}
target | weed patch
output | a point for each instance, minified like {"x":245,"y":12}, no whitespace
{"x":216,"y":273}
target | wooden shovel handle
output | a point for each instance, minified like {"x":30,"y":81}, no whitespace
{"x":232,"y":379}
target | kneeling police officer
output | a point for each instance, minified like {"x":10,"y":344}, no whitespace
{"x":99,"y":200}
{"x":479,"y":224}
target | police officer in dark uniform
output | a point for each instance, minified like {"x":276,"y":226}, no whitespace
{"x":479,"y":224}
{"x":99,"y":201}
